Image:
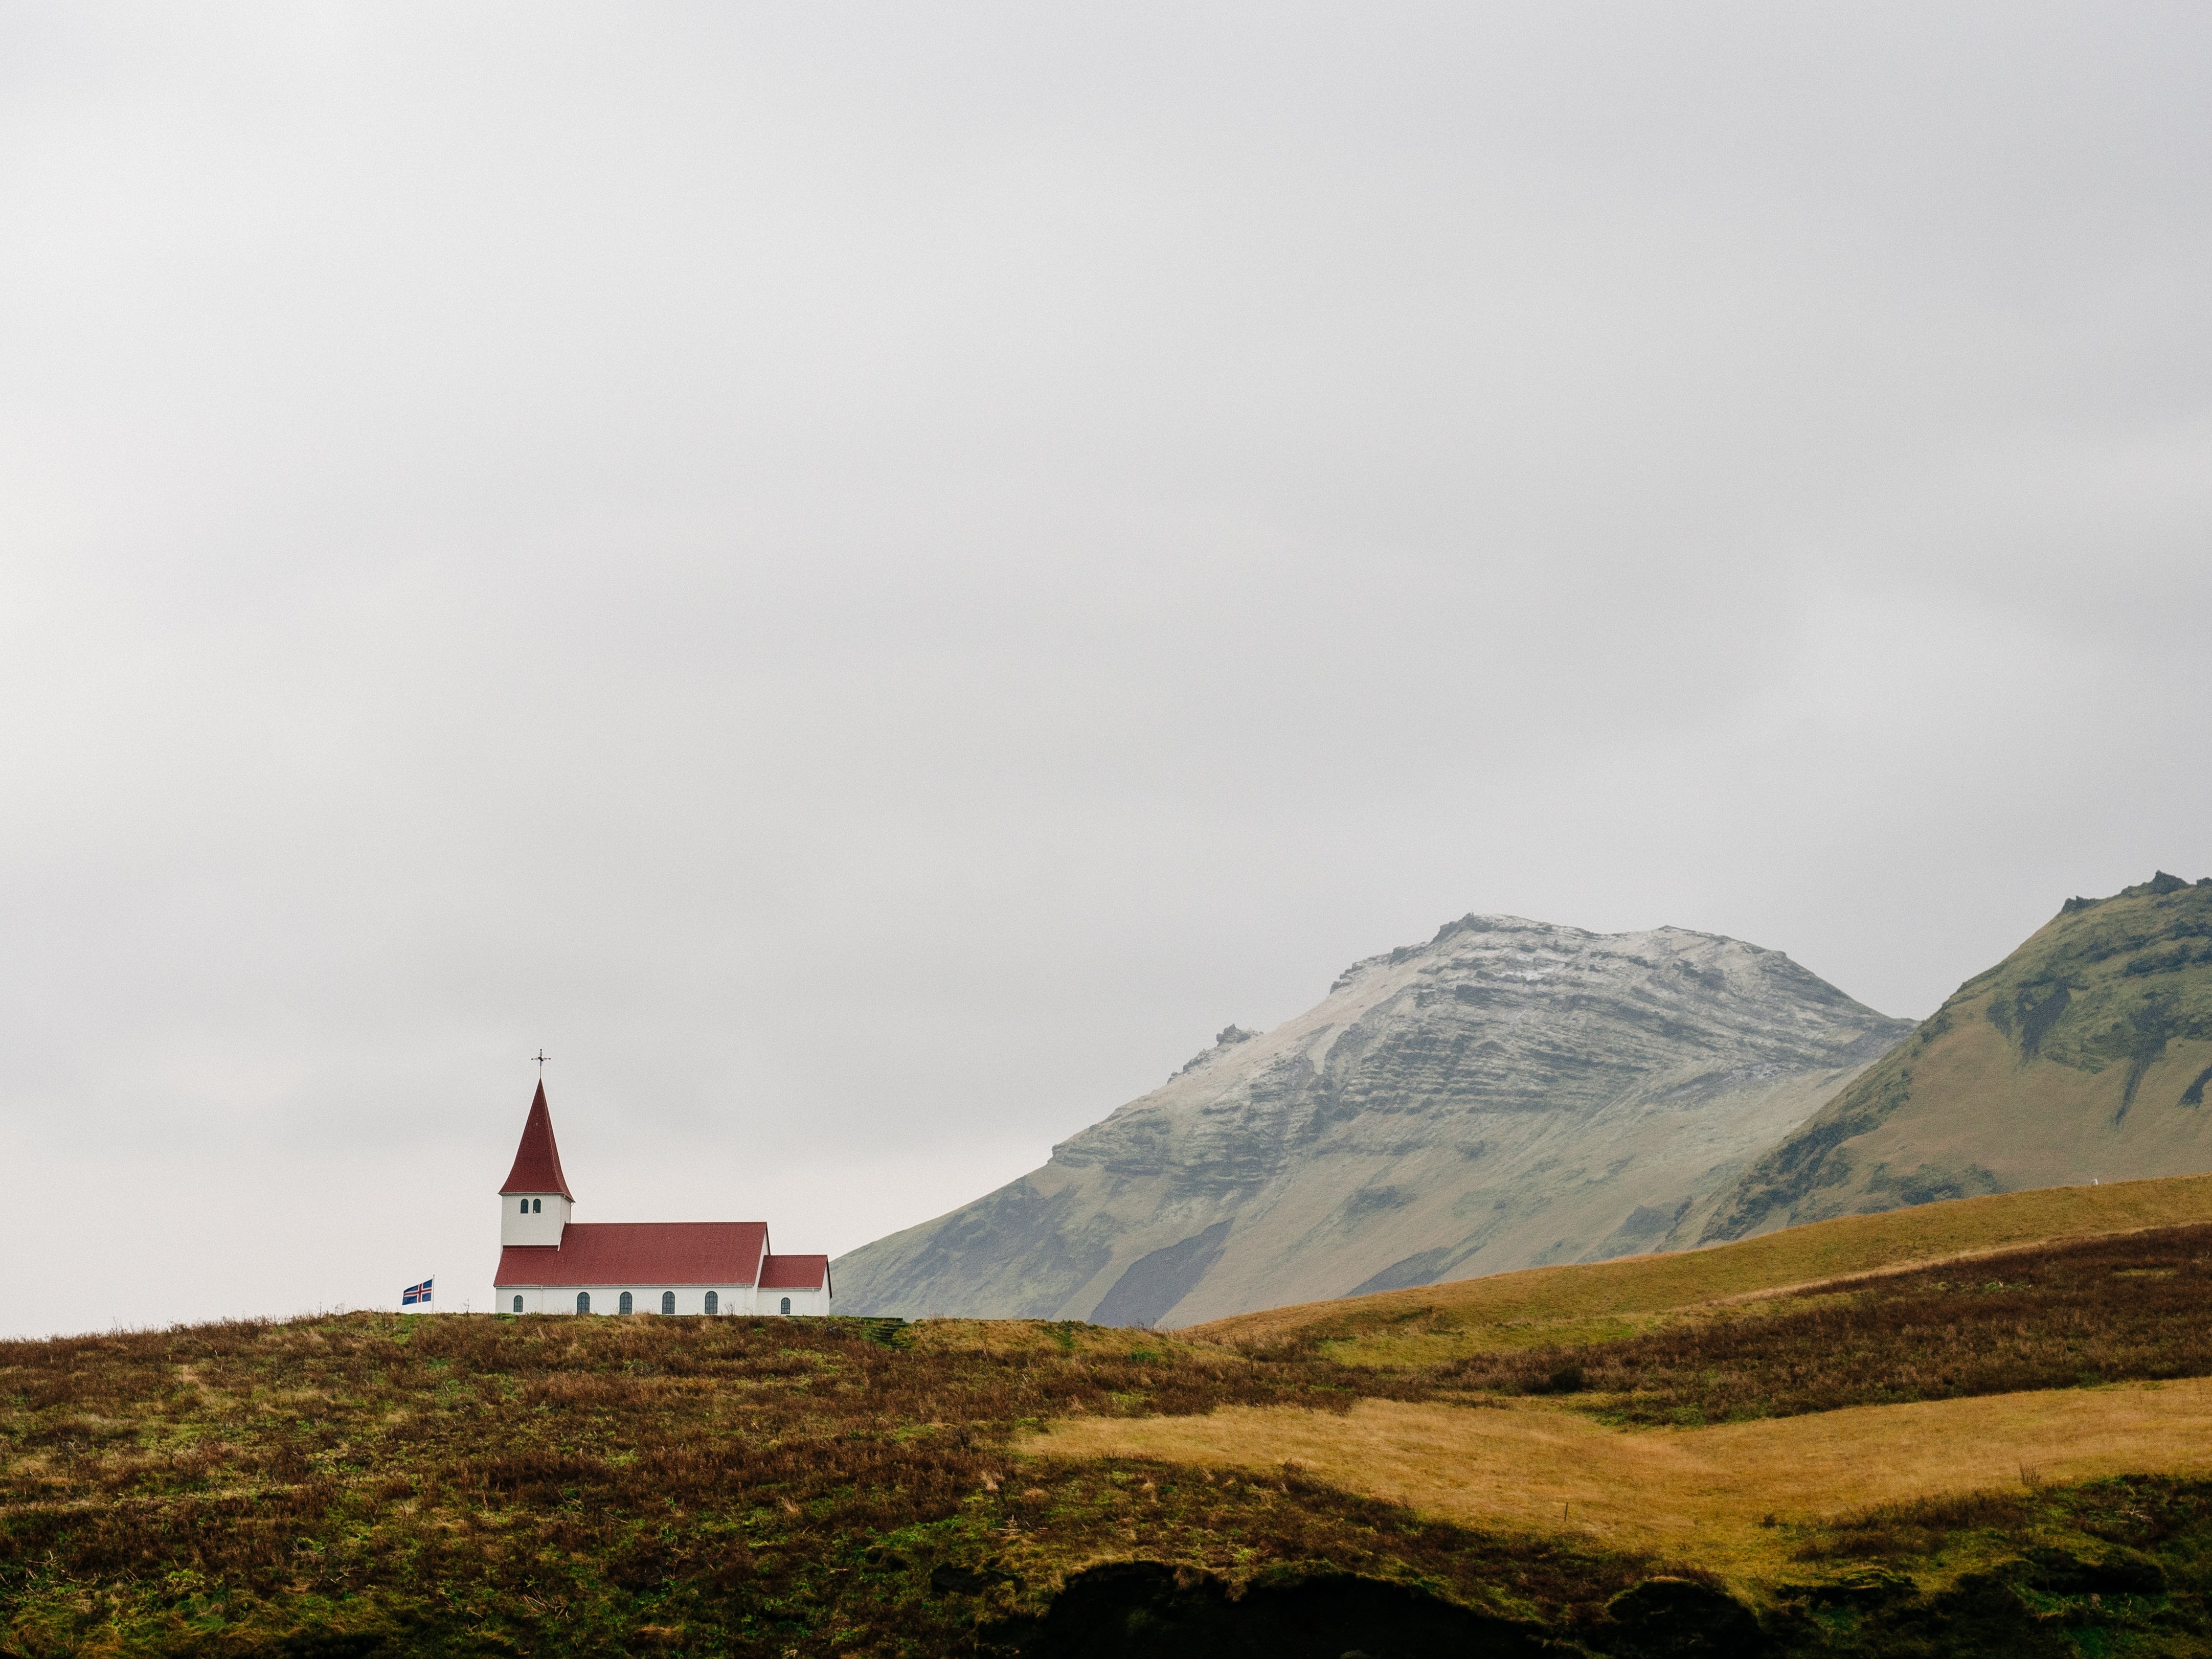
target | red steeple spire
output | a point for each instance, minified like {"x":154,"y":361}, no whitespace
{"x":537,"y":1160}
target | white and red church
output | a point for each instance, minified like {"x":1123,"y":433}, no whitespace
{"x":549,"y":1264}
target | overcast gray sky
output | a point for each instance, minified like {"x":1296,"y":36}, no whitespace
{"x":871,"y":575}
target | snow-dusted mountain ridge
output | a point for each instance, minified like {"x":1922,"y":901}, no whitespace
{"x":1509,"y":1094}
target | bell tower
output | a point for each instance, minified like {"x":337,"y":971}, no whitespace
{"x":535,"y":1202}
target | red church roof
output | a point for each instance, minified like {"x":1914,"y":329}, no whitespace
{"x":644,"y":1254}
{"x":538,"y":1159}
{"x":794,"y":1272}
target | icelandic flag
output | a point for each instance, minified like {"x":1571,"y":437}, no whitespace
{"x":414,"y":1294}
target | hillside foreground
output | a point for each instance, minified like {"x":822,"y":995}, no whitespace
{"x":1984,"y":1432}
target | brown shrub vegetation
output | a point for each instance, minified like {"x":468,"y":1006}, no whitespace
{"x":750,"y":1484}
{"x":2134,"y":1307}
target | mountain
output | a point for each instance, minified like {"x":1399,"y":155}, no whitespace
{"x":1507,"y":1095}
{"x":2083,"y":1055}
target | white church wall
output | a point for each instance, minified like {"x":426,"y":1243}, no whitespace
{"x":607,"y":1298}
{"x":540,"y":1225}
{"x":645,"y":1299}
{"x":812,"y":1303}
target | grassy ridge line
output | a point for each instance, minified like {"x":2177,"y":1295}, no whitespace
{"x":1489,"y":1309}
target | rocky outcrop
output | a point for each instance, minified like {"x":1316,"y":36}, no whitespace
{"x":1509,"y":1094}
{"x":2082,"y":1056}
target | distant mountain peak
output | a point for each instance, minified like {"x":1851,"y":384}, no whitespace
{"x":1507,"y":1093}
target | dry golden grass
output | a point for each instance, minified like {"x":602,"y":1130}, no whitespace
{"x":1684,"y":1492}
{"x":1605,"y":1300}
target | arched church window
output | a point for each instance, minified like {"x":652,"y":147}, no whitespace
{"x":625,"y":1301}
{"x":787,"y":1305}
{"x":583,"y":1302}
{"x":668,"y":1301}
{"x":518,"y":1304}
{"x":711,"y":1305}
{"x":537,"y":1204}
{"x":524,"y":1203}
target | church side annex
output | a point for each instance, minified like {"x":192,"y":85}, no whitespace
{"x":549,"y":1264}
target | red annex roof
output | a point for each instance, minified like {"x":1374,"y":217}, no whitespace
{"x":538,"y":1159}
{"x":644,"y":1253}
{"x":794,"y":1272}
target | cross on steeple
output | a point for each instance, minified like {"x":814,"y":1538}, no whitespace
{"x":541,"y":1057}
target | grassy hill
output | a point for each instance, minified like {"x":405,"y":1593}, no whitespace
{"x":1550,"y":1306}
{"x":381,"y":1484}
{"x":2084,"y":1053}
{"x":1763,"y":1447}
{"x":1880,"y":1454}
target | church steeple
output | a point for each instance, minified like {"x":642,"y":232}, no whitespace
{"x":538,"y":1159}
{"x":534,"y":1201}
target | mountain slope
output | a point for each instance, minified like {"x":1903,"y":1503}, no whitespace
{"x":2083,"y":1055}
{"x":1509,"y":1094}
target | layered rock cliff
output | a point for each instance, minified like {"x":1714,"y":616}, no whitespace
{"x":1509,"y":1094}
